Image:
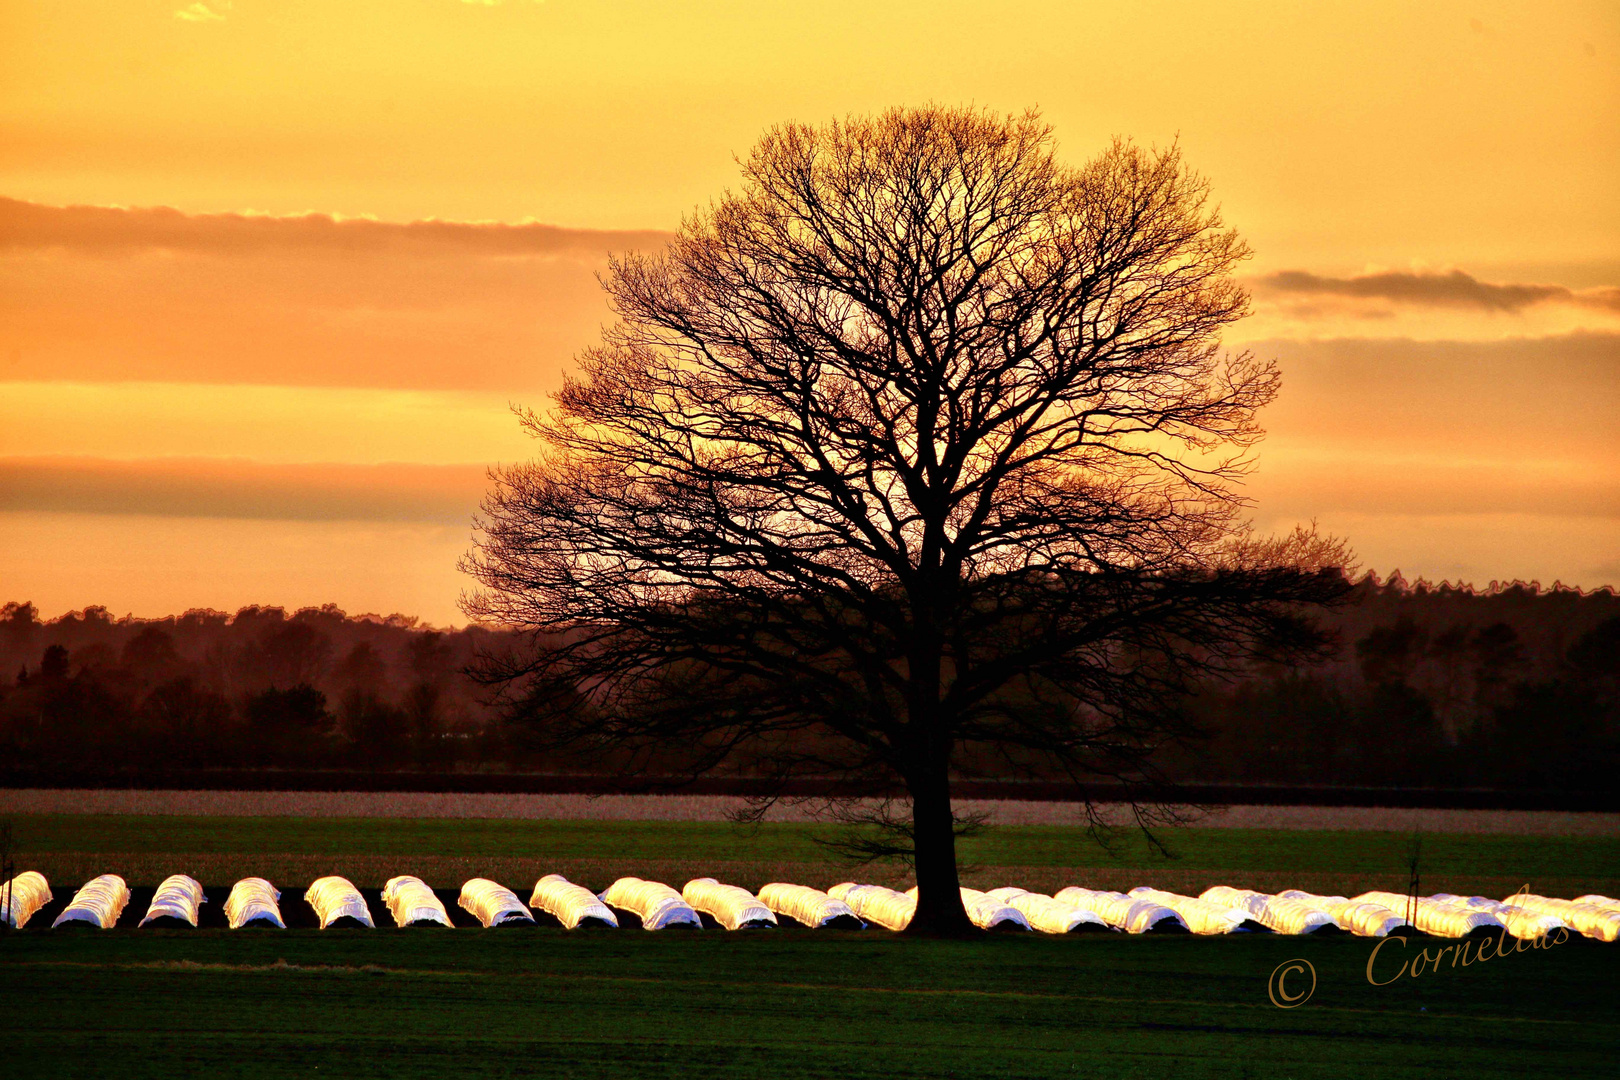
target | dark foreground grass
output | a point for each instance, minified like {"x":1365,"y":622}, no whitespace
{"x":369,"y":850}
{"x":782,"y":1004}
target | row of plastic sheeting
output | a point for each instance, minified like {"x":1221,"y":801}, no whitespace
{"x":731,"y":906}
{"x":1432,"y":916}
{"x":1045,"y":913}
{"x":1218,"y":910}
{"x":1520,"y":922}
{"x":808,"y":907}
{"x":99,"y":902}
{"x":572,"y":905}
{"x":1200,"y":916}
{"x":254,"y":902}
{"x":1357,"y":917}
{"x":1593,"y":915}
{"x":657,"y":905}
{"x":1132,"y":914}
{"x":985,"y":911}
{"x":21,"y":897}
{"x":876,"y":904}
{"x":492,"y":904}
{"x":410,"y":901}
{"x":336,"y":899}
{"x":1279,"y":914}
{"x":177,"y":899}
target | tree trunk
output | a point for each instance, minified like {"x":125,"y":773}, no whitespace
{"x":939,"y":897}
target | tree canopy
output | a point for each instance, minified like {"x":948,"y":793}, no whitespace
{"x":919,"y":448}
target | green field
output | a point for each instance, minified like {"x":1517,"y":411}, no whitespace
{"x":218,"y":850}
{"x":784,"y":1003}
{"x":781,"y":1004}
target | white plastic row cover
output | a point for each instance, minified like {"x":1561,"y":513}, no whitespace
{"x":99,"y":902}
{"x":335,"y":898}
{"x":731,"y":906}
{"x":1201,"y":916}
{"x":254,"y":900}
{"x":1280,"y":914}
{"x":1437,"y":917}
{"x":1045,"y":913}
{"x":876,"y":904}
{"x":178,"y":897}
{"x":985,"y":911}
{"x":22,"y":896}
{"x":807,"y":906}
{"x":1132,"y":914}
{"x":492,"y":904}
{"x":1593,"y":915}
{"x":570,"y":904}
{"x":1521,"y":922}
{"x":654,"y":903}
{"x":410,"y":901}
{"x":1359,"y":917}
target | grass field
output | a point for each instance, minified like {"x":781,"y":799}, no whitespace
{"x":70,"y":848}
{"x":781,"y":1004}
{"x":785,"y":1003}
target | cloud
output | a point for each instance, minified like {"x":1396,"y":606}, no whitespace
{"x":1455,"y":289}
{"x":220,"y":488}
{"x":112,"y":229}
{"x":1525,"y":399}
{"x":101,"y":294}
{"x":212,"y":11}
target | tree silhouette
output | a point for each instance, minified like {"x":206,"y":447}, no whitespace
{"x":917,"y":450}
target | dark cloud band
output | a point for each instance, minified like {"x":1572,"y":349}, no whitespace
{"x":221,"y":488}
{"x":108,"y":230}
{"x":1454,"y":289}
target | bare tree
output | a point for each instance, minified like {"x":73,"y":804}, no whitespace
{"x":917,"y":450}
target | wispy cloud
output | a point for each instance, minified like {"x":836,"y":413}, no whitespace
{"x":219,"y":488}
{"x":111,"y":228}
{"x":102,"y":293}
{"x":1454,"y":289}
{"x":212,"y":11}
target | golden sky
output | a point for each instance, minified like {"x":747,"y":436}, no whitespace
{"x":271,"y":271}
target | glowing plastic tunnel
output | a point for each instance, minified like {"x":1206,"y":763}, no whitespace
{"x":985,"y":911}
{"x":732,"y":906}
{"x":1433,"y":916}
{"x":1048,"y":914}
{"x":178,"y":898}
{"x":411,"y":902}
{"x":808,"y":907}
{"x":1585,"y":918}
{"x":98,"y":902}
{"x":876,"y":904}
{"x":1280,"y":914}
{"x":492,"y":904}
{"x":254,"y":901}
{"x":654,"y":903}
{"x":1521,"y":922}
{"x":1132,"y":914}
{"x":1357,"y":917}
{"x":335,"y":898}
{"x":572,"y":905}
{"x":1201,"y":916}
{"x":22,"y":897}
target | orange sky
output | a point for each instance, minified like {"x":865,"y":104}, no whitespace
{"x":239,"y":364}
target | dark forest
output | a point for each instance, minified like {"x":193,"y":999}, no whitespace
{"x":1510,"y":688}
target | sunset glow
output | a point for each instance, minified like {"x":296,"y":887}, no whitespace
{"x":272,"y":275}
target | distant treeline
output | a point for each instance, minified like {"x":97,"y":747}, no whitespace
{"x":1514,"y":687}
{"x":88,"y":692}
{"x":1509,"y":688}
